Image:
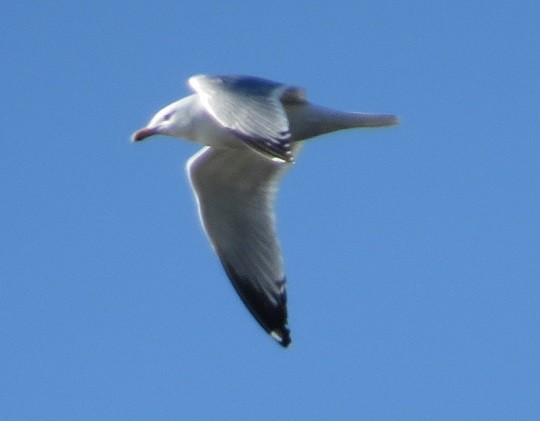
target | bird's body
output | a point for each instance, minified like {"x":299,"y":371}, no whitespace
{"x":251,"y":129}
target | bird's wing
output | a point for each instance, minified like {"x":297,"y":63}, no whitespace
{"x":235,"y":191}
{"x":252,"y":108}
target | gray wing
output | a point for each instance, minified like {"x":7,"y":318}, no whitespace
{"x":252,"y":108}
{"x":235,"y":191}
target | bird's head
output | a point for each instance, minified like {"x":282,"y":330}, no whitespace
{"x":174,"y":120}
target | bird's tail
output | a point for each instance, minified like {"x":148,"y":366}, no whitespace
{"x":309,"y":120}
{"x":368,"y":120}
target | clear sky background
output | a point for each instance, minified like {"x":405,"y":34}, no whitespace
{"x":412,"y":252}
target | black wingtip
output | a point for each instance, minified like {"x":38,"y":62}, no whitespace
{"x":282,"y":336}
{"x":271,"y":317}
{"x":279,"y":149}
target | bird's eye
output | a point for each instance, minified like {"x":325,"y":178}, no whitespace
{"x":167,"y":116}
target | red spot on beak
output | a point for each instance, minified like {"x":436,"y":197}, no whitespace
{"x":143,"y":134}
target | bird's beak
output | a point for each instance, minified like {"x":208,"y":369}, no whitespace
{"x":143,"y":133}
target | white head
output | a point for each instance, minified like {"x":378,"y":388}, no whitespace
{"x":174,"y":120}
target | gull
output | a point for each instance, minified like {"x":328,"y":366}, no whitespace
{"x":252,"y":129}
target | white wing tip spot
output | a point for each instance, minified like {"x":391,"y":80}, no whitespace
{"x":276,"y":336}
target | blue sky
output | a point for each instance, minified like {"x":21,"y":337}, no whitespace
{"x":412,"y":252}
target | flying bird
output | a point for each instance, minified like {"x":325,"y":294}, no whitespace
{"x":252,"y":130}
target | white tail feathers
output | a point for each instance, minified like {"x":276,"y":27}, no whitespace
{"x":374,"y":120}
{"x":309,"y":120}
